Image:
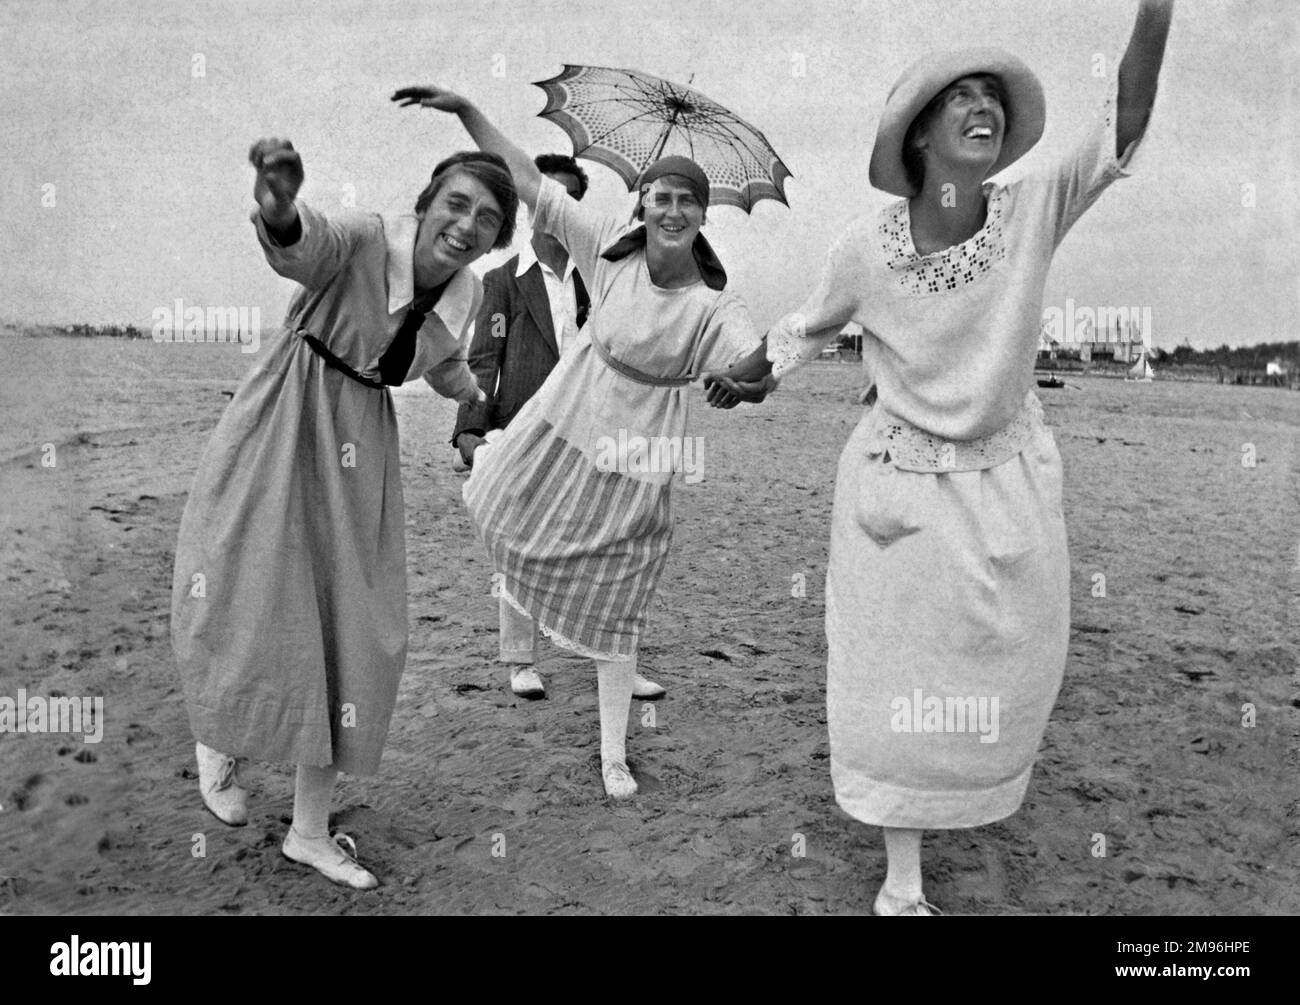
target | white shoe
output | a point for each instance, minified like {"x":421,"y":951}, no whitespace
{"x":458,"y":463}
{"x":889,"y":906}
{"x":643,"y":687}
{"x":330,"y":858}
{"x":619,"y":783}
{"x":219,"y":786}
{"x":527,"y":683}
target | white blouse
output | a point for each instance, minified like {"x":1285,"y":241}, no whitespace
{"x":951,"y":337}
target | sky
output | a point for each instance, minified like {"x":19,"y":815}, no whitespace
{"x":125,"y":185}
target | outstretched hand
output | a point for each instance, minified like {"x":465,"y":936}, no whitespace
{"x":279,"y":176}
{"x":430,"y":96}
{"x":725,"y":392}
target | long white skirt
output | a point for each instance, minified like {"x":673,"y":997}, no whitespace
{"x":948,"y":619}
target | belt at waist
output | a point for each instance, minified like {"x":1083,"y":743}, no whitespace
{"x":334,"y":363}
{"x":913,"y":449}
{"x":631,"y":372}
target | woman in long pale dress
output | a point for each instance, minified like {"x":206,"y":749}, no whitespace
{"x":573,"y":501}
{"x":947,"y":589}
{"x":289,"y":596}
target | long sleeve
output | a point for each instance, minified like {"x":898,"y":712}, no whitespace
{"x":733,"y":335}
{"x":451,"y":376}
{"x":801,"y":335}
{"x":582,"y":230}
{"x":1074,"y":184}
{"x":324,"y":247}
{"x":486,"y":352}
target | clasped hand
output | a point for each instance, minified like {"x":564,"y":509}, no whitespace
{"x":727,"y":392}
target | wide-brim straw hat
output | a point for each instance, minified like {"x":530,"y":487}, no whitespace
{"x":920,"y":82}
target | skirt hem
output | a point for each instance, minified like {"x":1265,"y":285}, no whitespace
{"x":233,"y":737}
{"x":883,"y":805}
{"x":560,"y":639}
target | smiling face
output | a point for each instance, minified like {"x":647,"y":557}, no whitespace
{"x":673,"y":215}
{"x":967,"y":127}
{"x":460,"y":225}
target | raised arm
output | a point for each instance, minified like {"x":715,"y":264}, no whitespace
{"x":300,"y":243}
{"x":279,"y":176}
{"x":487,"y":136}
{"x":1140,"y":70}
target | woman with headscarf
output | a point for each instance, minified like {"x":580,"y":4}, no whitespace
{"x":289,"y":592}
{"x":573,"y":500}
{"x":947,"y":589}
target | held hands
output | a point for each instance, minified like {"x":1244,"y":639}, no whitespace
{"x":749,"y":379}
{"x":431,"y":97}
{"x":727,"y":392}
{"x":279,"y":176}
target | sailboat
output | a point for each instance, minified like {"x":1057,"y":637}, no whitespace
{"x":1141,"y":371}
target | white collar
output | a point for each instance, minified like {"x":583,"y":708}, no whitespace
{"x":457,"y":300}
{"x":528,"y":258}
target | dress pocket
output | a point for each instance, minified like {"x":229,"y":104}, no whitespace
{"x":1049,"y":462}
{"x":886,"y":508}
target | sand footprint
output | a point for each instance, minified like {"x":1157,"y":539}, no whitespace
{"x":27,"y":796}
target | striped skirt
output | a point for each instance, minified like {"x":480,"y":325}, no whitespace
{"x":577,"y":548}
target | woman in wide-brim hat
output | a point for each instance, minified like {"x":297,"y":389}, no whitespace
{"x":573,"y":501}
{"x":947,"y":589}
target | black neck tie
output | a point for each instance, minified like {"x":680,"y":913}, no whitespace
{"x":582,"y":298}
{"x":395,"y":363}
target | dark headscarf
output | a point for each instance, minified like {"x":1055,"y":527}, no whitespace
{"x":683,"y":166}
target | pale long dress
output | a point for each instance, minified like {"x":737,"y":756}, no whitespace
{"x":289,"y":590}
{"x":947,"y":586}
{"x":577,"y":520}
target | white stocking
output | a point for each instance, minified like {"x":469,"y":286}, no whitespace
{"x":313,"y":792}
{"x":614,"y":686}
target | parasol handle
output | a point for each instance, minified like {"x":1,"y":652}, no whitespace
{"x":663,"y":140}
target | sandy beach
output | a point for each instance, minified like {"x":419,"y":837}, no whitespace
{"x":490,"y":804}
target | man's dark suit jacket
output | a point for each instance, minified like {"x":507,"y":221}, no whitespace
{"x":514,"y":346}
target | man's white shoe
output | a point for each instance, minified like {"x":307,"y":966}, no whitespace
{"x":458,"y":463}
{"x":219,"y":786}
{"x":642,"y":687}
{"x":330,"y":858}
{"x":527,"y":683}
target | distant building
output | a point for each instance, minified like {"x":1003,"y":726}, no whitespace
{"x":1118,"y":334}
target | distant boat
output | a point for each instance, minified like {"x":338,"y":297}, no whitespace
{"x":1141,"y":371}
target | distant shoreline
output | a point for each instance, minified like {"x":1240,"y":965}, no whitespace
{"x":1165,"y":369}
{"x":75,"y":331}
{"x":1182,"y":373}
